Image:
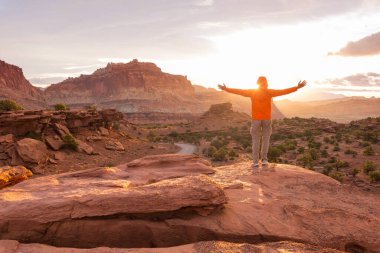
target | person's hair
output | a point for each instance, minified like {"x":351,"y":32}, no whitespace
{"x":262,"y":79}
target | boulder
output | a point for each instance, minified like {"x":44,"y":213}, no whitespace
{"x":98,"y":195}
{"x":6,"y":138}
{"x":114,"y":145}
{"x":85,"y":148}
{"x":93,"y":138}
{"x":13,"y":175}
{"x":60,"y":156}
{"x":54,"y":142}
{"x":32,"y":151}
{"x":104,"y":131}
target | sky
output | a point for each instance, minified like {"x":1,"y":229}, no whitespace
{"x":333,"y":44}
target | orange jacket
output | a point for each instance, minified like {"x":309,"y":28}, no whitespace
{"x":261,"y":100}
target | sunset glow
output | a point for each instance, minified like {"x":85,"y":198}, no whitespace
{"x":209,"y":41}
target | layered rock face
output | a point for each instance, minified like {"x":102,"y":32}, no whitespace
{"x":13,"y":85}
{"x":165,"y":201}
{"x":25,"y":136}
{"x":124,"y":86}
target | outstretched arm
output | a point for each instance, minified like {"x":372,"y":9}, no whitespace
{"x":245,"y":93}
{"x":276,"y":93}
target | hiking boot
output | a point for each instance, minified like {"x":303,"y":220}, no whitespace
{"x":255,"y":165}
{"x":264,"y":163}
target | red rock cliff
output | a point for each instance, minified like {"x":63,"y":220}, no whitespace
{"x":13,"y":85}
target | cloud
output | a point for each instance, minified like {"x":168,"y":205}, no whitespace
{"x":204,"y":2}
{"x":80,"y":32}
{"x":359,"y":80}
{"x":369,"y":45}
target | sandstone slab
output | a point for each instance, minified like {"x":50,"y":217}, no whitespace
{"x":85,"y":148}
{"x":158,"y":167}
{"x":80,"y":198}
{"x":13,"y":175}
{"x":62,"y":129}
{"x":54,"y":142}
{"x":114,"y":145}
{"x":60,"y":156}
{"x":104,"y":131}
{"x":121,"y":207}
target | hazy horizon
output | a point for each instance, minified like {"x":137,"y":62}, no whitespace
{"x":335,"y":45}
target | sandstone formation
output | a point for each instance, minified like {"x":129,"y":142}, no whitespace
{"x":139,"y":88}
{"x":24,"y":122}
{"x":173,"y":205}
{"x":13,"y":85}
{"x":11,"y":246}
{"x":48,"y":129}
{"x":128,"y":87}
{"x":220,"y":116}
{"x":13,"y":175}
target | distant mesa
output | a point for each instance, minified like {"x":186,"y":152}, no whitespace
{"x":118,"y":83}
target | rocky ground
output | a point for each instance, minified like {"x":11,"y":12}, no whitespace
{"x":349,"y":152}
{"x":51,"y":142}
{"x":9,"y":246}
{"x":173,"y":200}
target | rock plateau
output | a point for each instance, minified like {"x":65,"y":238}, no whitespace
{"x":173,"y":200}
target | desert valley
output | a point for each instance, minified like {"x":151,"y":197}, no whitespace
{"x":132,"y":159}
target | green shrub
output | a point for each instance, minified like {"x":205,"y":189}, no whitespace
{"x":90,"y":107}
{"x":324,"y":153}
{"x":354,"y":172}
{"x":232,"y":154}
{"x":369,"y":166}
{"x":337,"y":175}
{"x":301,"y":150}
{"x":369,"y":151}
{"x":274,"y":153}
{"x":69,"y":142}
{"x":327,"y":169}
{"x":9,"y":105}
{"x":220,"y":155}
{"x":173,"y":134}
{"x":374,"y":176}
{"x":61,"y":107}
{"x":336,"y":148}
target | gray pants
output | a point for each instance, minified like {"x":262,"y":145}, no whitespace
{"x":260,"y":130}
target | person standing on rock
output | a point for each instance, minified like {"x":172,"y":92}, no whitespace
{"x":261,"y":106}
